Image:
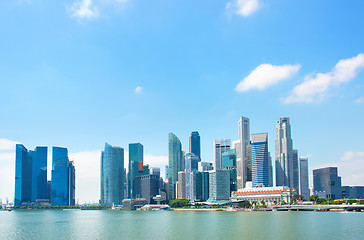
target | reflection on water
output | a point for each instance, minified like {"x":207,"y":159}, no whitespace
{"x":58,"y":224}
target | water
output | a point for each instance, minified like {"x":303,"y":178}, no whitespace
{"x":58,"y":224}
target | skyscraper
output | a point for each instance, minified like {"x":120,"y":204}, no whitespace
{"x":284,"y":154}
{"x":220,"y":146}
{"x":260,"y":160}
{"x":241,"y":160}
{"x":63,"y":178}
{"x":30,"y":174}
{"x":112,"y":175}
{"x":327,"y":180}
{"x":303,"y":179}
{"x":175,"y":160}
{"x":136,"y":167}
{"x":195,"y":145}
{"x":219,"y":185}
{"x":295,"y":172}
{"x":191,"y":162}
{"x":23,"y":175}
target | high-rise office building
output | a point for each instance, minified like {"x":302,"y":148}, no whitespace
{"x":112,"y":175}
{"x":23,"y":176}
{"x":249,"y":163}
{"x":284,"y":154}
{"x":270,"y":170}
{"x":195,"y":145}
{"x":220,"y":146}
{"x":166,"y":173}
{"x":219,"y":185}
{"x":63,"y":178}
{"x":136,"y":167}
{"x":191,"y":162}
{"x":30,"y":174}
{"x":260,"y":160}
{"x":327,"y":180}
{"x":353,"y":192}
{"x":228,"y":162}
{"x":181,"y":185}
{"x":155,"y":171}
{"x":175,"y":160}
{"x":295,"y":172}
{"x":205,"y":166}
{"x":303,"y":178}
{"x":241,"y":160}
{"x":147,"y":187}
{"x":204,"y":186}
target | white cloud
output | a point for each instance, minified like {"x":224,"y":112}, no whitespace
{"x":138,"y":89}
{"x":359,"y":100}
{"x":314,"y":88}
{"x":6,"y":144}
{"x":242,"y":7}
{"x":266,"y":75}
{"x":84,"y":9}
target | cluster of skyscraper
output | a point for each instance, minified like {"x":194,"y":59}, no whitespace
{"x":141,"y":181}
{"x":31,"y":185}
{"x":243,"y":163}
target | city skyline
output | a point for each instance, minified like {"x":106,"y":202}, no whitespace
{"x":121,"y":73}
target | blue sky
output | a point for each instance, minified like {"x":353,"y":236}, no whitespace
{"x":79,"y":73}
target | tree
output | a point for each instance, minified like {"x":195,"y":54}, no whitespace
{"x":296,"y":198}
{"x":313,"y":198}
{"x":179,"y":203}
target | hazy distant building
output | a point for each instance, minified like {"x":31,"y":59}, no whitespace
{"x":260,"y":160}
{"x":166,"y":173}
{"x":327,"y":180}
{"x":147,"y":186}
{"x":284,"y":154}
{"x":195,"y":145}
{"x":30,"y":174}
{"x":181,"y":185}
{"x":112,"y":176}
{"x":303,"y":178}
{"x":353,"y":192}
{"x":191,"y":161}
{"x":63,"y":178}
{"x":241,"y":160}
{"x":219,"y":185}
{"x":205,"y":166}
{"x":220,"y":146}
{"x":175,"y":158}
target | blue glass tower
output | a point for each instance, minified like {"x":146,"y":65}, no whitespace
{"x":195,"y":145}
{"x":30,"y":174}
{"x":112,"y":175}
{"x":23,"y":175}
{"x":175,"y":163}
{"x":39,"y":173}
{"x":260,"y":159}
{"x":63,"y":178}
{"x":191,"y":162}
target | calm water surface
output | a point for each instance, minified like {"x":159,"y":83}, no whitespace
{"x":54,"y":224}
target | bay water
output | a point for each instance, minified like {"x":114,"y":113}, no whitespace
{"x":106,"y":224}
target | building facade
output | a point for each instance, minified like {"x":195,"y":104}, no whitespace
{"x":195,"y":144}
{"x":191,"y":162}
{"x":284,"y":153}
{"x":147,"y":187}
{"x":63,"y":178}
{"x":268,"y":195}
{"x":219,"y":185}
{"x":260,"y":160}
{"x":112,"y":176}
{"x":241,"y":160}
{"x":295,"y":172}
{"x":205,"y":166}
{"x":327,"y":180}
{"x":220,"y":146}
{"x":353,"y":192}
{"x":175,"y":163}
{"x":303,"y":178}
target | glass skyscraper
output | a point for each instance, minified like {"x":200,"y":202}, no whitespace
{"x":63,"y":178}
{"x":241,"y":160}
{"x":112,"y":175}
{"x":260,"y":160}
{"x":284,"y":154}
{"x":136,"y":167}
{"x":220,"y":146}
{"x":175,"y":160}
{"x":30,"y":174}
{"x":195,"y":145}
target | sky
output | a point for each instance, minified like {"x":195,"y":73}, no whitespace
{"x":79,"y":73}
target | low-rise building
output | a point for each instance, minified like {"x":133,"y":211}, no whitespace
{"x":268,"y":195}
